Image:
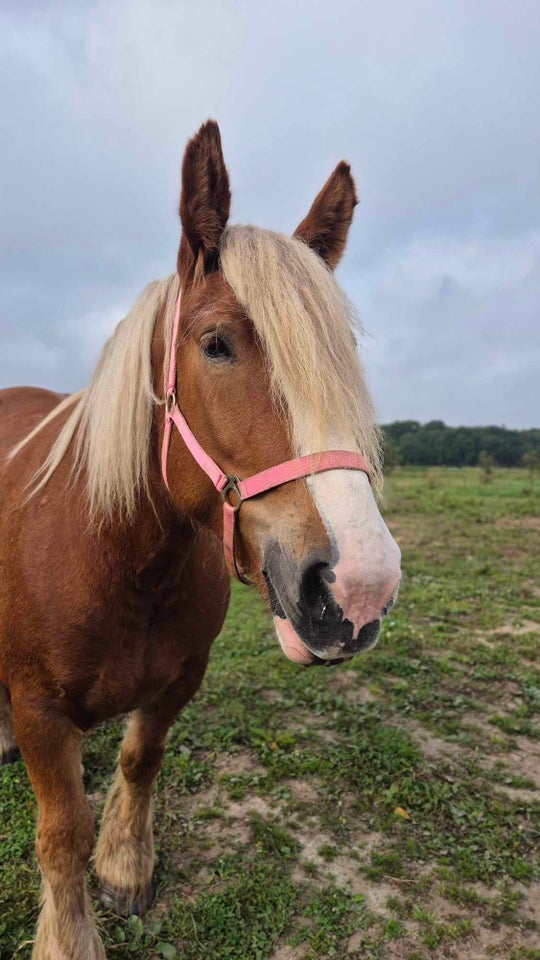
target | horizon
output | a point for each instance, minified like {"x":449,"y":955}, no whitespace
{"x":460,"y":426}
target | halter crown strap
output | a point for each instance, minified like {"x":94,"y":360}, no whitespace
{"x":230,"y":486}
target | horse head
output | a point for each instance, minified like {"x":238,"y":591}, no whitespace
{"x":266,"y":370}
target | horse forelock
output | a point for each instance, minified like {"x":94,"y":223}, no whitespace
{"x":306,"y":327}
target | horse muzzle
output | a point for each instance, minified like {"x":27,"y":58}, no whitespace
{"x":311,"y":625}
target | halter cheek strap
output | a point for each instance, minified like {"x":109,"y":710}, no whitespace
{"x":233,"y":490}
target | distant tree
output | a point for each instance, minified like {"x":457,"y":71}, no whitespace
{"x":486,"y":462}
{"x":435,"y":444}
{"x":531,"y":462}
{"x":391,"y":455}
{"x":435,"y":425}
{"x":398,"y":428}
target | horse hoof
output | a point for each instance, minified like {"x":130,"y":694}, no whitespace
{"x":10,"y":756}
{"x":124,"y":903}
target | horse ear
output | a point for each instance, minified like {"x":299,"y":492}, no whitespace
{"x":327,"y":224}
{"x":205,"y":201}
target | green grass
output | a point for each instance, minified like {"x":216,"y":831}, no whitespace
{"x":387,"y":808}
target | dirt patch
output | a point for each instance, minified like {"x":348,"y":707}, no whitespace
{"x":477,"y":723}
{"x":433,"y":748}
{"x":310,"y":726}
{"x":355,"y":942}
{"x":342,"y":871}
{"x":347,"y":683}
{"x":345,"y":869}
{"x":235,"y":764}
{"x":271,"y":696}
{"x":533,"y":589}
{"x":400,"y":949}
{"x":376,"y":896}
{"x":518,"y":523}
{"x":194,"y":803}
{"x":218,"y":838}
{"x":304,"y":791}
{"x":485,"y":945}
{"x":484,"y":942}
{"x":521,"y":794}
{"x":525,"y":761}
{"x":511,"y":553}
{"x":209,"y":838}
{"x":241,"y":811}
{"x":289,"y":953}
{"x":524,"y":627}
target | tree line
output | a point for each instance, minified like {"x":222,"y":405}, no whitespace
{"x":409,"y":442}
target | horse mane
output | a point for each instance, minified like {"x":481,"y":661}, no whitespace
{"x":305,"y":326}
{"x":110,"y":424}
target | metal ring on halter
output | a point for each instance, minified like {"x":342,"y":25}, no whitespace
{"x":170,"y":402}
{"x":232,"y":485}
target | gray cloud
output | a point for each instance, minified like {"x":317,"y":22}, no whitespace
{"x":434,"y":105}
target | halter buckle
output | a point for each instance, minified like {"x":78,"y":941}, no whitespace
{"x":170,"y":402}
{"x":232,"y":485}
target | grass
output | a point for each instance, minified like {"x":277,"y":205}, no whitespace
{"x":385,"y":809}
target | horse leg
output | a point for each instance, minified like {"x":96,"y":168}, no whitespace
{"x":8,"y":746}
{"x":125,"y":858}
{"x":50,"y":747}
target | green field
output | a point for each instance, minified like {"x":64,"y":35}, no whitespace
{"x":388,"y":808}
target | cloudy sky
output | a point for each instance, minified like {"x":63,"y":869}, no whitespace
{"x":434,"y":104}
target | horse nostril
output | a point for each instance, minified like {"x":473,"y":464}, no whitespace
{"x":387,"y":607}
{"x":368,"y":635}
{"x":389,"y":603}
{"x":315,"y":595}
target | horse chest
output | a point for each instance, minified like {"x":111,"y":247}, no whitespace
{"x":146,"y":649}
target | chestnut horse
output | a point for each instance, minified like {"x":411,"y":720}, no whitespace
{"x":113,"y":583}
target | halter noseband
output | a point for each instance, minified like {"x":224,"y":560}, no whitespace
{"x":231,"y":486}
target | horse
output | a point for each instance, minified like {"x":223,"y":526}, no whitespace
{"x":114,"y":502}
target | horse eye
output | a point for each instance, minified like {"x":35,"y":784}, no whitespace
{"x":217,"y":347}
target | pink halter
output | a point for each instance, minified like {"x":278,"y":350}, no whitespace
{"x":229,"y":485}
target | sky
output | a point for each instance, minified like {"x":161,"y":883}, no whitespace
{"x":435,"y":105}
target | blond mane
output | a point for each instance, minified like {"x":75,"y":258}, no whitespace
{"x":304,"y":324}
{"x":110,"y":424}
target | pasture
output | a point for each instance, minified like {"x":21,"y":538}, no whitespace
{"x":384,"y":809}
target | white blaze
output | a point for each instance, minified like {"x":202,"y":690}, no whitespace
{"x":367,"y":570}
